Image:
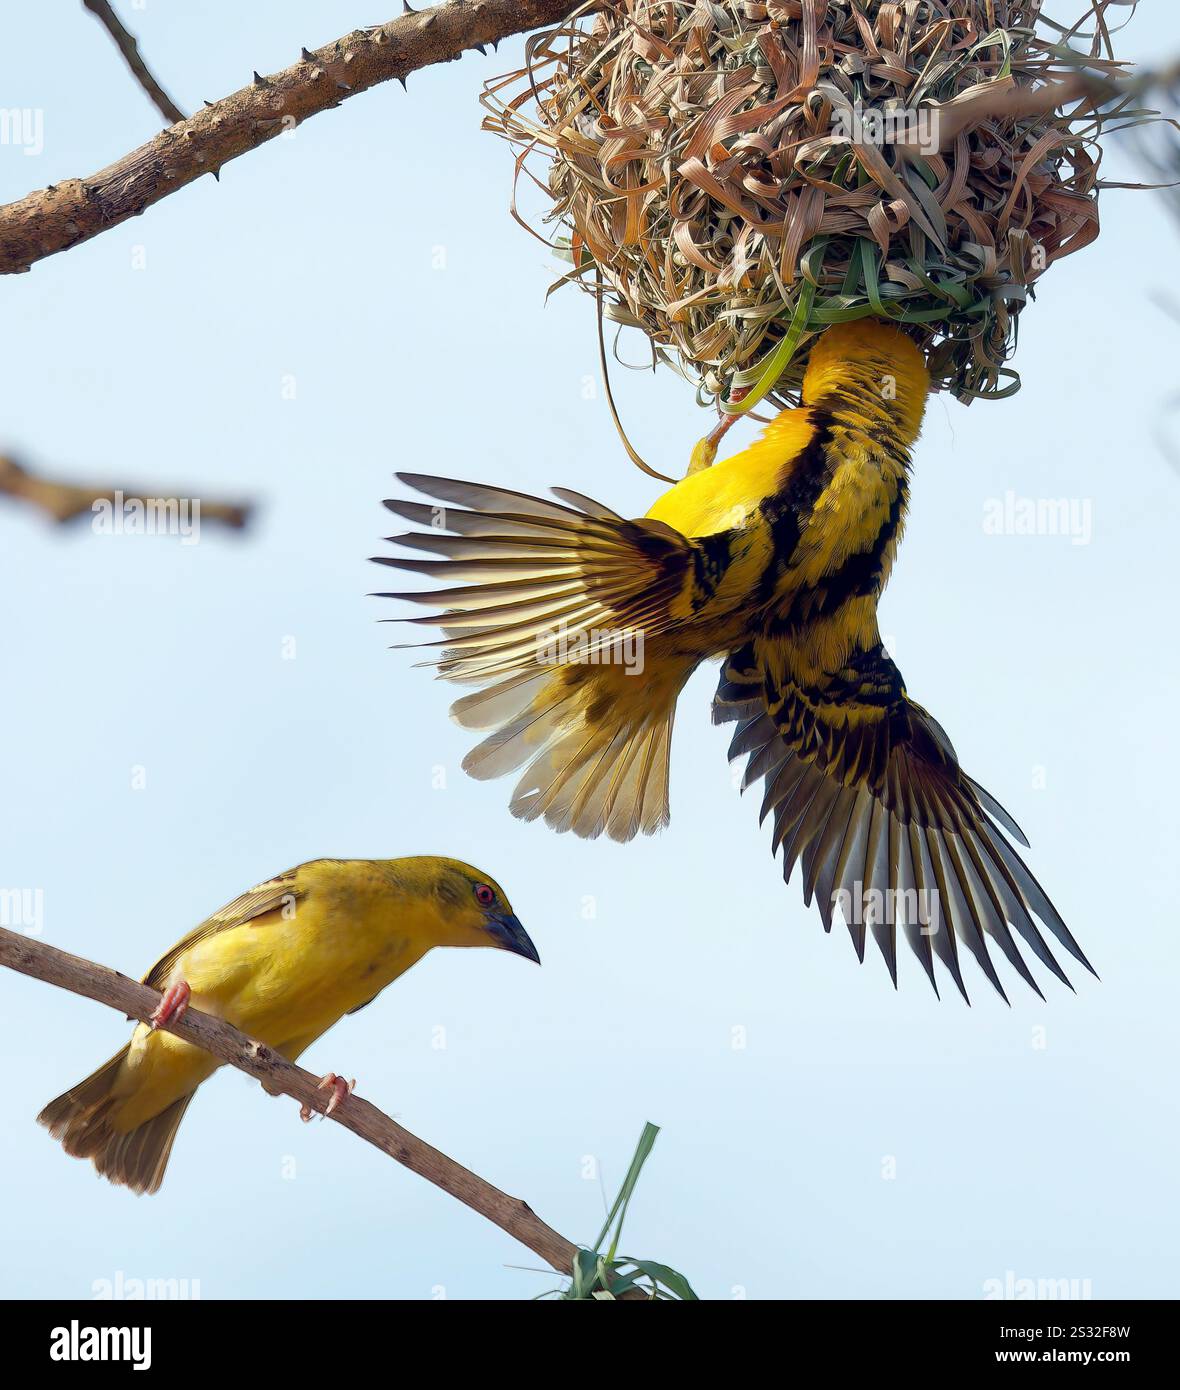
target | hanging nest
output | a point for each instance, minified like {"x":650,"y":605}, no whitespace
{"x":732,"y":176}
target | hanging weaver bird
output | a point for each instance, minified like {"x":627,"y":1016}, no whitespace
{"x":283,"y":963}
{"x":773,"y":560}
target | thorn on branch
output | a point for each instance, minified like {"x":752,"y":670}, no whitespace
{"x":31,"y":228}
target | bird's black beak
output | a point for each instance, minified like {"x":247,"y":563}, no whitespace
{"x":509,"y":935}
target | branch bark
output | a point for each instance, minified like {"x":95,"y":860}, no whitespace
{"x":126,"y":43}
{"x":278,"y":1076}
{"x":69,"y":501}
{"x":62,"y":215}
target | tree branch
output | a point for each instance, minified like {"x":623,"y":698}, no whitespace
{"x":278,"y":1076}
{"x":62,"y":215}
{"x":127,"y":46}
{"x":68,"y":501}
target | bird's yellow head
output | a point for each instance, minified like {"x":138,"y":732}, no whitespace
{"x":471,"y":907}
{"x":875,"y":358}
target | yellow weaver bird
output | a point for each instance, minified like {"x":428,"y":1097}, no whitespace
{"x":283,"y":963}
{"x":774,"y":560}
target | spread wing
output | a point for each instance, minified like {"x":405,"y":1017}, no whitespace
{"x":867,"y":793}
{"x":554,"y":608}
{"x":270,"y":896}
{"x":525,"y":568}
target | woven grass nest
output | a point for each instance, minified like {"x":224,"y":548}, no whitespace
{"x":732,"y":176}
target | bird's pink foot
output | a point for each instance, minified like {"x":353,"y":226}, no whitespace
{"x":719,"y":431}
{"x":173,"y":1006}
{"x":339,"y":1088}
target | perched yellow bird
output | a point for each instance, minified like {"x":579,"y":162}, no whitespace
{"x":580,"y":627}
{"x":283,"y":963}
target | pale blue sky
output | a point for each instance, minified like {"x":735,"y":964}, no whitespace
{"x":1053,"y":667}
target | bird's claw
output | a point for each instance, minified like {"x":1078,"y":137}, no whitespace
{"x":339,"y":1088}
{"x":172,"y":1007}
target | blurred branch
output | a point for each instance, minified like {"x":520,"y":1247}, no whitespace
{"x":68,"y":501}
{"x":1091,"y":86}
{"x":62,"y":215}
{"x":129,"y":48}
{"x":280,"y":1077}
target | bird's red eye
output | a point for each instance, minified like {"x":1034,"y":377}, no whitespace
{"x":484,"y":895}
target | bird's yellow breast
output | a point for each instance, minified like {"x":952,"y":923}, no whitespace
{"x":280,"y":980}
{"x":723,"y":497}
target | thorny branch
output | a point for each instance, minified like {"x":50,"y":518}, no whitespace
{"x":280,"y":1077}
{"x":62,"y":215}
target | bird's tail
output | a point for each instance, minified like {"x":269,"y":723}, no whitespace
{"x":83,"y":1119}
